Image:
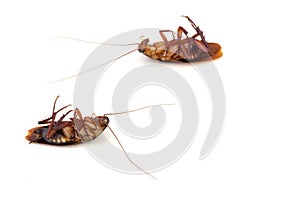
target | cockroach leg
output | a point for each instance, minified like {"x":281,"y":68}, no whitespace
{"x":61,"y":124}
{"x":182,"y":48}
{"x":46,"y":121}
{"x":181,"y":30}
{"x":50,"y":132}
{"x":55,"y":125}
{"x":165,"y":39}
{"x":162,"y":35}
{"x":199,"y":32}
{"x":63,"y":116}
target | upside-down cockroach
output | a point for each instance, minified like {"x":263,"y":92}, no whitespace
{"x":77,"y":130}
{"x":188,"y":49}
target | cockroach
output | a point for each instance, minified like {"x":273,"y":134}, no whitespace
{"x":77,"y":130}
{"x":188,"y":49}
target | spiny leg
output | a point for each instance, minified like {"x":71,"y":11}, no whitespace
{"x":181,"y":47}
{"x":60,"y":124}
{"x":55,"y":125}
{"x":165,"y":39}
{"x":199,"y":32}
{"x":46,"y":121}
{"x":181,"y":30}
{"x":162,"y":35}
{"x":50,"y":133}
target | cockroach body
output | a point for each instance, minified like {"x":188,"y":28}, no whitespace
{"x":188,"y":49}
{"x":75,"y":131}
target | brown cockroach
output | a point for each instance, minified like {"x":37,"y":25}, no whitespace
{"x":188,"y":49}
{"x":178,"y":49}
{"x":77,"y":130}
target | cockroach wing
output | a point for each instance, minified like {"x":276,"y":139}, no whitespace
{"x":87,"y":128}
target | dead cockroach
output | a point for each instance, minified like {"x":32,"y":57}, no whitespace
{"x":77,"y":130}
{"x":188,"y":49}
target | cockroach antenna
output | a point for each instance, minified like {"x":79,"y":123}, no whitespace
{"x":91,"y":42}
{"x":128,"y":158}
{"x":94,"y":68}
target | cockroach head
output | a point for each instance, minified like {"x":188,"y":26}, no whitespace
{"x":143,"y":45}
{"x":35,"y":134}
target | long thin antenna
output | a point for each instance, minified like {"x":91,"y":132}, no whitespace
{"x":118,"y":113}
{"x":94,"y":68}
{"x":129,"y":157}
{"x":91,"y":42}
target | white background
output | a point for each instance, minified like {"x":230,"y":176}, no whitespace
{"x":257,"y":156}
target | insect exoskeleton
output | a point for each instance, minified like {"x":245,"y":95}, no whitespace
{"x":62,"y":136}
{"x":188,"y":49}
{"x":89,"y":128}
{"x":35,"y":134}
